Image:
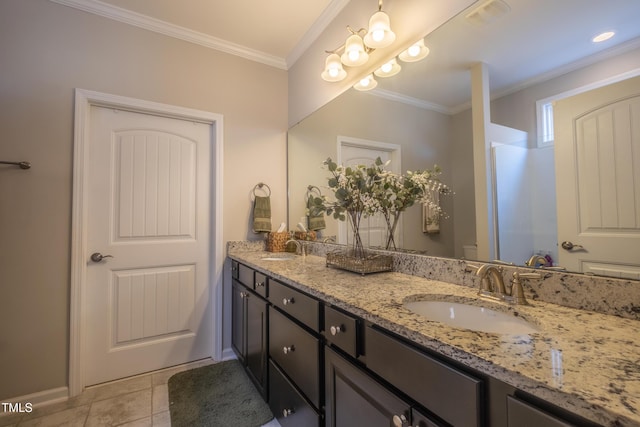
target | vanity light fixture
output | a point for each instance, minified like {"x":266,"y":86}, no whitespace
{"x":603,"y":36}
{"x":366,"y":83}
{"x":355,"y":51}
{"x":415,"y":52}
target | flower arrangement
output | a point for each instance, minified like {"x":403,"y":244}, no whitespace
{"x":361,"y":191}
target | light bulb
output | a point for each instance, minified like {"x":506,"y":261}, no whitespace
{"x":387,"y":67}
{"x":366,"y":83}
{"x":377,"y":35}
{"x":354,"y":54}
{"x":333,"y":71}
{"x":415,"y":52}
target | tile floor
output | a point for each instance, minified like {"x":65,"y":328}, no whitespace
{"x":140,"y":401}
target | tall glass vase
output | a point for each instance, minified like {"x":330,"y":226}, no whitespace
{"x":356,"y":247}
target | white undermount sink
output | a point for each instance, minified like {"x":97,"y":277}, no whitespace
{"x":281,"y":257}
{"x":471,"y":317}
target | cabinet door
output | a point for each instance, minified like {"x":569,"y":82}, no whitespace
{"x":256,"y":332}
{"x":353,"y":398}
{"x":238,"y":316}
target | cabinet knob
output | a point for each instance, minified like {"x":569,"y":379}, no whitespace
{"x":287,"y":301}
{"x":244,"y":295}
{"x":335,"y":330}
{"x":259,"y":284}
{"x":287,"y":412}
{"x":399,"y":420}
{"x":287,"y":350}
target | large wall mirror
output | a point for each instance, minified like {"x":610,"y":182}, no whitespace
{"x":425,"y":110}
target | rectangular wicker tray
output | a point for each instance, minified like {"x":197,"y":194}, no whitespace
{"x":370,"y":263}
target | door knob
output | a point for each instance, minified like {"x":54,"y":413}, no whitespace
{"x":97,"y":257}
{"x":566,"y":245}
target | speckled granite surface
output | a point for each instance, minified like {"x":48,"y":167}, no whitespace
{"x":585,"y":362}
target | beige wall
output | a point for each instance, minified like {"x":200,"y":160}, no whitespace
{"x":47,"y":50}
{"x":424,"y":136}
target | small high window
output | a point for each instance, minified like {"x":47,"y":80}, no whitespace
{"x":545,"y":124}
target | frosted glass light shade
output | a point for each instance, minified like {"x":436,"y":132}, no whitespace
{"x":415,"y":52}
{"x":389,"y":69}
{"x":366,"y":83}
{"x":333,"y":71}
{"x":354,"y":54}
{"x":380,"y":34}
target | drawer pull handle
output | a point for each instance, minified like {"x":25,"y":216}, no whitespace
{"x":244,"y":295}
{"x":287,"y":301}
{"x":335,"y":330}
{"x":287,"y":412}
{"x":259,"y":284}
{"x":290,"y":349}
{"x":399,"y":421}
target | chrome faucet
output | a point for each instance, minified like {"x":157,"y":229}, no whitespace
{"x":300,"y":247}
{"x":537,"y":261}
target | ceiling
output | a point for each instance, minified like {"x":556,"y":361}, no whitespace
{"x":529,"y":42}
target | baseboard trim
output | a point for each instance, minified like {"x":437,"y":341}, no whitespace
{"x":228,"y":354}
{"x":45,"y":397}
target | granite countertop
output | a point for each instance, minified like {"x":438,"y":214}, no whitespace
{"x":585,"y":362}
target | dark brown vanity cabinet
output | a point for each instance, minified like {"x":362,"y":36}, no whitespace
{"x":249,"y":331}
{"x":295,"y":357}
{"x":451,"y":394}
{"x":353,"y":398}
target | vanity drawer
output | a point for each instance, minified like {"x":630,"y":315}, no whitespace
{"x":297,"y":352}
{"x":298,"y":305}
{"x":522,"y":414}
{"x":245,"y":275}
{"x":260,"y":284}
{"x":288,"y":406}
{"x":342,"y":330}
{"x":451,"y":394}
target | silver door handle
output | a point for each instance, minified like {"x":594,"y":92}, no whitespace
{"x":570,"y":246}
{"x":97,"y":257}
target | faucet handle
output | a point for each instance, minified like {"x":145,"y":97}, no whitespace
{"x":517,"y":291}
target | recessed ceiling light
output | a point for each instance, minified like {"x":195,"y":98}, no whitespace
{"x":602,"y":37}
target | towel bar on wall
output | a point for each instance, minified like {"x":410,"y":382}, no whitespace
{"x":23,"y":165}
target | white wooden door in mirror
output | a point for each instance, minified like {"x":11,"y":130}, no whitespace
{"x":597,"y":140}
{"x":147,"y":306}
{"x":351,"y":152}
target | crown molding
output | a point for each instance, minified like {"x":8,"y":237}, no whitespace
{"x":162,"y":27}
{"x":415,"y":102}
{"x":318,"y":27}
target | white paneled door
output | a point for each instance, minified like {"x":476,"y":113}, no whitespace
{"x":148,"y":239}
{"x":597,"y":147}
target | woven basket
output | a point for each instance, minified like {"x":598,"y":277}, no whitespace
{"x":277,"y":242}
{"x":308,"y":235}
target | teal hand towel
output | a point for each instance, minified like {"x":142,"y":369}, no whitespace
{"x":262,"y":214}
{"x":315,"y":218}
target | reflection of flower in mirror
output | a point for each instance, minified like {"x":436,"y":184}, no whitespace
{"x":366,"y":190}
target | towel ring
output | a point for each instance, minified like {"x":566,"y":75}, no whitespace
{"x":259,"y":187}
{"x":310,"y":190}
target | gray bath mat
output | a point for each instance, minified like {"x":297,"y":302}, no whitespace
{"x":216,"y":395}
